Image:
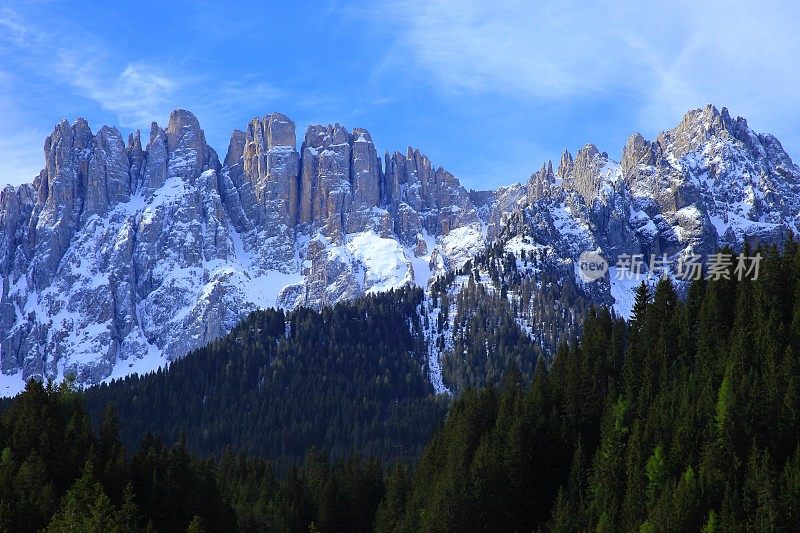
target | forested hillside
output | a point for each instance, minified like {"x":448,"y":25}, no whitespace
{"x":508,"y":306}
{"x":686,"y":418}
{"x":351,"y":379}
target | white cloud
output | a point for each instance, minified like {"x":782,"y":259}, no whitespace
{"x":134,"y":91}
{"x":138,"y":95}
{"x":516,"y":47}
{"x":222,"y":102}
{"x":29,"y":54}
{"x":11,"y":29}
{"x":739,"y":55}
{"x":665,"y":59}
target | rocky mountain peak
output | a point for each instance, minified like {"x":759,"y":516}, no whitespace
{"x":118,"y":258}
{"x":135,"y":141}
{"x":136,"y":158}
{"x":540,"y":182}
{"x":325,"y":189}
{"x":565,"y":165}
{"x":155,"y":169}
{"x":586,"y":172}
{"x":280,"y":131}
{"x":183,"y":128}
{"x":365,"y":173}
{"x":637,"y":152}
{"x":698,"y":126}
{"x":235,"y":148}
{"x":189,"y":155}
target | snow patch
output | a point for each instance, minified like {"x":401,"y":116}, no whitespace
{"x":623,"y":290}
{"x":11,"y":384}
{"x":385,"y":263}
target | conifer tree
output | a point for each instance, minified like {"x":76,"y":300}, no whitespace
{"x":85,"y":507}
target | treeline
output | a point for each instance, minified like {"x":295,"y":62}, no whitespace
{"x":349,"y":379}
{"x":687,"y":418}
{"x":504,"y":308}
{"x":525,"y":285}
{"x":503,"y":453}
{"x":487,"y":340}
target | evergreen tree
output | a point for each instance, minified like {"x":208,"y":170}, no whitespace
{"x":85,"y":507}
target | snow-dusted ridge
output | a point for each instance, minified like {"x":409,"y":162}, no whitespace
{"x":119,"y":257}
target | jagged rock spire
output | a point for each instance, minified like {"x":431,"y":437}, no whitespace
{"x":565,"y":165}
{"x":540,"y":182}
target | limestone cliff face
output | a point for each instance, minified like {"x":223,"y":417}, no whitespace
{"x":438,"y":201}
{"x":637,"y":154}
{"x":565,"y":165}
{"x":261,"y":188}
{"x":97,"y":247}
{"x":119,"y":257}
{"x":586,"y":172}
{"x":366,"y":178}
{"x":541,"y":183}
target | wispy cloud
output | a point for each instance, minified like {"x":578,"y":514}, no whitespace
{"x":134,"y":91}
{"x":142,"y":93}
{"x":40,"y":64}
{"x":131,"y":90}
{"x":137,"y":95}
{"x":510,"y":47}
{"x":222,"y":101}
{"x":465,"y":77}
{"x":12,"y":30}
{"x":732,"y":54}
{"x":669,"y":59}
{"x":20,"y":143}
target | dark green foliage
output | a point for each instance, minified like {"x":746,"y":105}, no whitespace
{"x":392,"y":508}
{"x":482,"y":304}
{"x":350,"y":379}
{"x":684,"y":419}
{"x":708,"y":424}
{"x":503,"y":453}
{"x":85,"y":507}
{"x":57,"y":474}
{"x":487,"y":341}
{"x":166,"y":488}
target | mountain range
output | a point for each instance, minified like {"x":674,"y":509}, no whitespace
{"x":119,"y":257}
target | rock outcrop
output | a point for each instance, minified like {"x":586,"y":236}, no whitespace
{"x":120,"y":257}
{"x":707,"y":183}
{"x":541,"y":182}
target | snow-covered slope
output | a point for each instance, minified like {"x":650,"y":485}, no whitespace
{"x":118,"y":257}
{"x":708,"y":183}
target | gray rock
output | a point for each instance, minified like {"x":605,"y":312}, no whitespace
{"x":155,"y":167}
{"x":587,"y":172}
{"x":541,"y":182}
{"x":118,"y":258}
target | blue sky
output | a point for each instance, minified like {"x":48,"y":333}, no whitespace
{"x":489,"y":90}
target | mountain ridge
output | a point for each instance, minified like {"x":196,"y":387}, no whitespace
{"x":119,"y":253}
{"x":118,"y":258}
